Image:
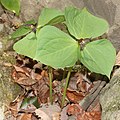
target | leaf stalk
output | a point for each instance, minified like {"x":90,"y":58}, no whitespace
{"x":65,"y":89}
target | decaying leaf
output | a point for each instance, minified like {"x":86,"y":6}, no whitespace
{"x":50,"y":112}
{"x":22,"y":70}
{"x":64,"y":115}
{"x":26,"y":117}
{"x":42,"y":115}
{"x":80,"y":114}
{"x":42,"y":88}
{"x":74,"y":96}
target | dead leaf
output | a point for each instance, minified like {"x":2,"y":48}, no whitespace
{"x":82,"y":82}
{"x":49,"y":112}
{"x":41,"y":88}
{"x":64,"y":115}
{"x":26,"y":117}
{"x":74,"y":96}
{"x":26,"y":81}
{"x":74,"y":109}
{"x":77,"y":111}
{"x":22,"y":70}
{"x":35,"y":76}
{"x":23,"y":79}
{"x":42,"y":115}
{"x":89,"y":116}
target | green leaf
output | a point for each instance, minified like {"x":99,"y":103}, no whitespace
{"x":12,"y":5}
{"x":50,"y":16}
{"x":82,"y":24}
{"x":28,"y":101}
{"x":56,"y":48}
{"x":21,"y":31}
{"x":27,"y":45}
{"x":30,"y":22}
{"x":99,"y":57}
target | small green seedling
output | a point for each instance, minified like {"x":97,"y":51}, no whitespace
{"x":59,"y":50}
{"x":12,"y":5}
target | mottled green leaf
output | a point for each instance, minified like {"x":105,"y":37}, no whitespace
{"x":27,"y":45}
{"x":12,"y":5}
{"x":82,"y":24}
{"x":99,"y":56}
{"x":55,"y":48}
{"x":50,"y":16}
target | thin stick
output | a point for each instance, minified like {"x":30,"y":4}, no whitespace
{"x":65,"y":89}
{"x":50,"y":79}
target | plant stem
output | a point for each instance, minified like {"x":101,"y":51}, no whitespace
{"x":65,"y":89}
{"x":50,"y":79}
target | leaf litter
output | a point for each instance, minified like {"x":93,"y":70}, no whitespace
{"x":34,"y":102}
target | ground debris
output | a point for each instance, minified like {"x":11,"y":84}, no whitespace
{"x":33,"y":103}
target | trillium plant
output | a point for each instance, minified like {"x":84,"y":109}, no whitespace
{"x":58,"y":49}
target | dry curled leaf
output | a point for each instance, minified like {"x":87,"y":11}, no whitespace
{"x":42,"y":115}
{"x":80,"y":114}
{"x":26,"y":81}
{"x":22,"y":70}
{"x":26,"y":117}
{"x":74,"y":96}
{"x":50,"y":112}
{"x":74,"y":109}
{"x":64,"y":115}
{"x":41,"y":88}
{"x":89,"y":116}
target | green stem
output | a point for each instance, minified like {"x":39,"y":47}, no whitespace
{"x":50,"y":79}
{"x":65,"y":89}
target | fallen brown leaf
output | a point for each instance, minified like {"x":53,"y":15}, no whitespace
{"x":74,"y":96}
{"x":42,"y":115}
{"x":49,"y":112}
{"x":74,"y":109}
{"x":64,"y":115}
{"x":26,"y":117}
{"x":26,"y":81}
{"x":77,"y":111}
{"x":41,"y":88}
{"x":89,"y":116}
{"x":35,"y":76}
{"x":22,"y":70}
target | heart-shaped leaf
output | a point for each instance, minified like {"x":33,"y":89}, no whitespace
{"x":83,"y":24}
{"x":99,"y":57}
{"x":55,"y":48}
{"x":21,"y":31}
{"x":50,"y":16}
{"x":12,"y":5}
{"x":27,"y":45}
